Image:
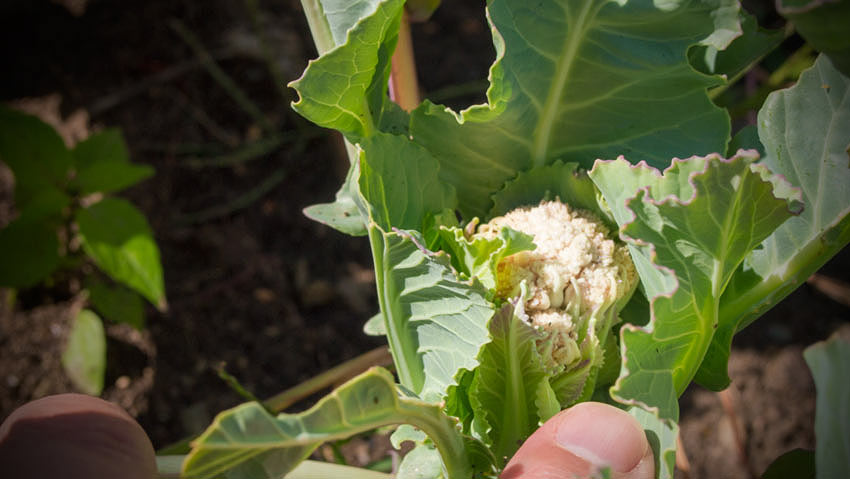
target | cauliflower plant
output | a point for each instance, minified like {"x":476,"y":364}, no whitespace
{"x":577,"y":277}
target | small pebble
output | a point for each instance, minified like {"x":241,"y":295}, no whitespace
{"x":123,"y":382}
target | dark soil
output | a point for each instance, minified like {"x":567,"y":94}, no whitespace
{"x":251,"y":282}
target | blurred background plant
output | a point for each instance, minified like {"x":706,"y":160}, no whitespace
{"x":66,"y":222}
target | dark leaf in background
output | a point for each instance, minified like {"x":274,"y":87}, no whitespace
{"x":798,"y":463}
{"x":117,"y":304}
{"x":34,"y":152}
{"x":103,"y":164}
{"x":29,"y":252}
{"x":824,"y":25}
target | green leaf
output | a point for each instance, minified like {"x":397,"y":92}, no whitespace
{"x":824,"y":25}
{"x":343,"y":15}
{"x":505,"y":391}
{"x":745,"y":51}
{"x":84,"y":358}
{"x":746,"y":139}
{"x":576,"y":81}
{"x":117,"y":304}
{"x":830,"y":364}
{"x":435,"y":323}
{"x":423,"y":462}
{"x":247,"y":442}
{"x":398,"y":181}
{"x":405,"y":433}
{"x":118,"y":238}
{"x":29,"y":252}
{"x":365,"y":32}
{"x":346,"y":214}
{"x":661,"y":435}
{"x":576,"y":384}
{"x":103,"y":165}
{"x":35,"y":153}
{"x":547,"y":402}
{"x":797,"y":463}
{"x":479,"y":257}
{"x":687,"y":231}
{"x":457,"y":401}
{"x":345,"y":88}
{"x":375,"y":326}
{"x":565,"y":181}
{"x":806,"y":132}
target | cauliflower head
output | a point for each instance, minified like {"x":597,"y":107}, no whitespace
{"x":576,"y":277}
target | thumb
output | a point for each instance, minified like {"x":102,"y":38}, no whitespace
{"x":74,"y":436}
{"x":579,"y":442}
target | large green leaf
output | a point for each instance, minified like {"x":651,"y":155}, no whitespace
{"x":34,"y":152}
{"x":507,"y":384}
{"x":830,"y":364}
{"x":248,"y":442}
{"x":345,"y":88}
{"x":435,"y":323}
{"x":116,"y":235}
{"x":823,"y":24}
{"x":688,"y":231}
{"x":399,"y":182}
{"x":579,"y":80}
{"x":84,"y":358}
{"x":806,"y":133}
{"x":102,"y":164}
{"x":565,"y":181}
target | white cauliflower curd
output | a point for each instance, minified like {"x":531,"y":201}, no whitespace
{"x":577,"y":276}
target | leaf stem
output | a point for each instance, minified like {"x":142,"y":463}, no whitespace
{"x":319,"y":27}
{"x":376,"y":357}
{"x":446,"y":438}
{"x":401,"y":347}
{"x":787,"y":277}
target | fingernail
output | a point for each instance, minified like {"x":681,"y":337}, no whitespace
{"x":603,"y":435}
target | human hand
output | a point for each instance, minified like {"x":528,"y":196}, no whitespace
{"x":74,"y":436}
{"x":579,"y":441}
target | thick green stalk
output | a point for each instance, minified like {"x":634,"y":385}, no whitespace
{"x":446,"y":438}
{"x":319,"y":27}
{"x":402,"y":347}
